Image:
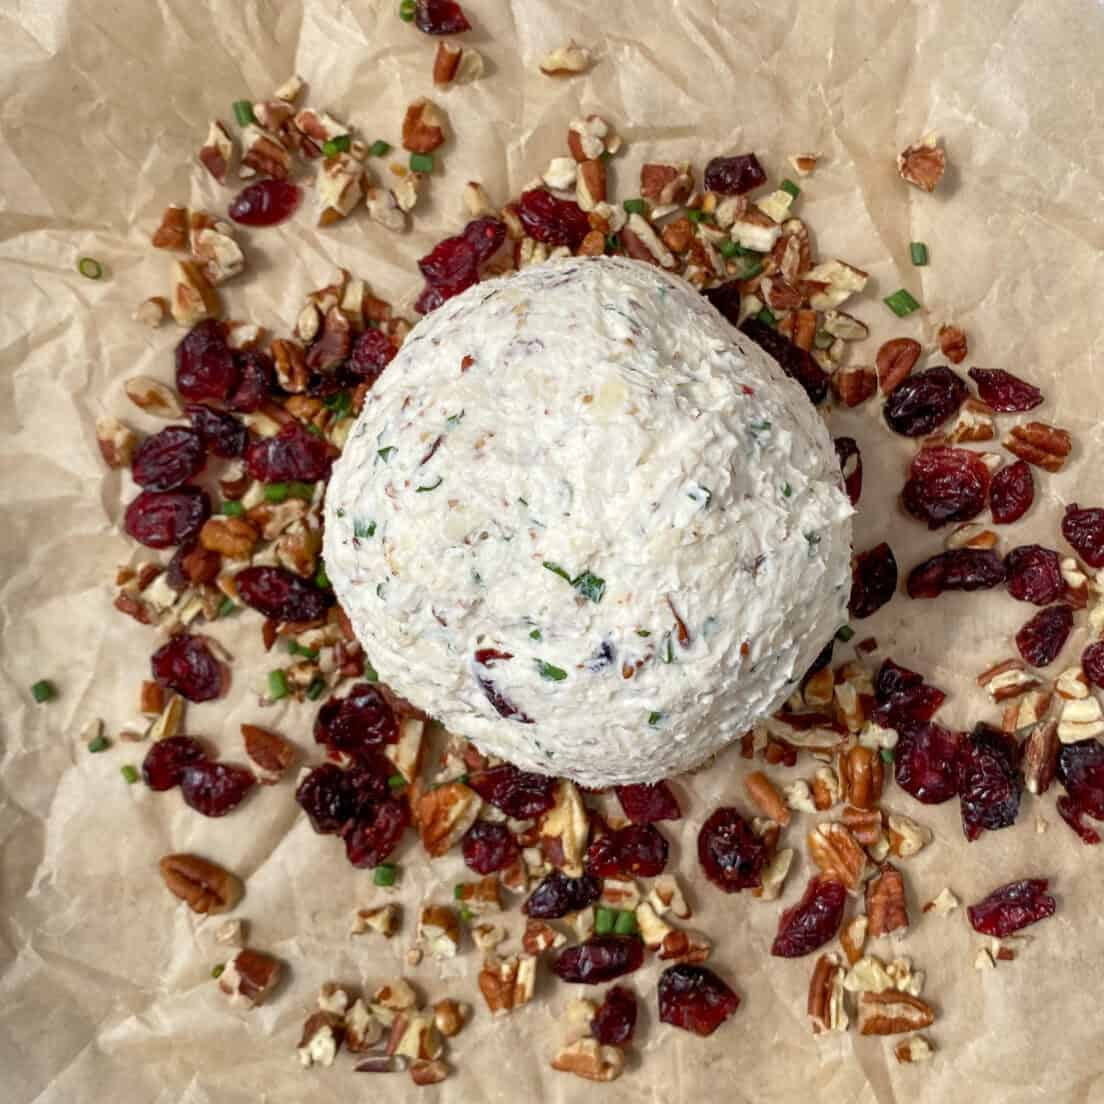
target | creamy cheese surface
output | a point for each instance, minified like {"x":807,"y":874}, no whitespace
{"x":584,"y":522}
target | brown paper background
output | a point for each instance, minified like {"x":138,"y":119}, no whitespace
{"x":104,"y":990}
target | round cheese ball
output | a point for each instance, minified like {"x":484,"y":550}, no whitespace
{"x":584,"y":522}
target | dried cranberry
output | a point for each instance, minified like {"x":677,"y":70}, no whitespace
{"x":946,"y":484}
{"x":1092,"y":663}
{"x":957,"y":569}
{"x":213,"y":789}
{"x":429,"y":299}
{"x":168,"y":458}
{"x":161,"y":519}
{"x":892,"y":679}
{"x":925,"y":762}
{"x":1081,"y":771}
{"x":903,"y":697}
{"x":1084,"y":529}
{"x":873,"y":580}
{"x":1011,"y":492}
{"x":328,"y":797}
{"x":280,"y":594}
{"x":206,"y":370}
{"x":1005,"y":392}
{"x":451,"y":266}
{"x":796,"y":362}
{"x":734,"y":175}
{"x":726,"y":298}
{"x":614,"y":1022}
{"x":695,"y":999}
{"x":440,"y":17}
{"x":551,"y":220}
{"x":1034,"y":574}
{"x":222,"y":433}
{"x":371,"y":353}
{"x":922,"y":402}
{"x":488,"y":847}
{"x":1042,"y":638}
{"x":635,"y":850}
{"x":601,"y":958}
{"x":376,"y":832}
{"x":812,"y":922}
{"x":517,"y":793}
{"x":265,"y":203}
{"x":165,"y":761}
{"x":1073,"y":813}
{"x":357,"y":723}
{"x":187,"y":665}
{"x":1012,"y":907}
{"x":850,"y":462}
{"x":989,"y":783}
{"x":256,"y":379}
{"x":644,"y":803}
{"x":293,"y":455}
{"x":730,"y":853}
{"x":557,"y":895}
{"x":485,"y":235}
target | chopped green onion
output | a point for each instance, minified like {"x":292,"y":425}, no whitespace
{"x":604,"y":920}
{"x":887,"y":755}
{"x":385,"y":453}
{"x":643,"y":632}
{"x":396,"y":782}
{"x":334,"y":146}
{"x":379,"y":148}
{"x":421,"y":162}
{"x":217,"y":971}
{"x":304,"y":491}
{"x":613,"y":243}
{"x":919,"y":253}
{"x":823,"y":339}
{"x":232,"y":508}
{"x":130,"y":775}
{"x":226,"y":607}
{"x":298,"y":650}
{"x":100,"y":743}
{"x":384,"y":874}
{"x":407,"y":10}
{"x":277,"y":685}
{"x":634,"y":206}
{"x":790,"y":188}
{"x":466,"y":914}
{"x":901,"y":303}
{"x":42,"y":691}
{"x":364,"y":529}
{"x":314,"y":431}
{"x":243,"y":112}
{"x":625,"y":924}
{"x":314,"y":691}
{"x":550,"y":671}
{"x":766,"y":316}
{"x":556,"y":570}
{"x":759,"y":427}
{"x":668,"y":650}
{"x":787,"y":490}
{"x":453,"y":420}
{"x":752,"y":271}
{"x":590,"y":586}
{"x":276,"y":492}
{"x":458,"y":891}
{"x":90,"y":268}
{"x":340,"y":403}
{"x":605,"y":157}
{"x":369,"y":674}
{"x":430,"y":486}
{"x":729,"y":248}
{"x":743,"y":251}
{"x":536,"y":635}
{"x":654,"y":718}
{"x":321,"y":579}
{"x":695,"y":215}
{"x":845,"y":633}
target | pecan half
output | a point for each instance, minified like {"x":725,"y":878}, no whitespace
{"x":893,"y":1013}
{"x":885,"y":901}
{"x":203,"y":886}
{"x":825,"y":1005}
{"x":895,"y":360}
{"x":854,"y":385}
{"x":838,"y":854}
{"x":764,"y":794}
{"x":270,"y":751}
{"x":861,"y":776}
{"x":1046,"y":446}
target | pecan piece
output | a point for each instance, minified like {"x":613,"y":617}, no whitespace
{"x":952,"y":343}
{"x":861,"y":776}
{"x":193,"y":298}
{"x":589,"y":1059}
{"x":116,"y":442}
{"x":215,"y":153}
{"x":838,"y":854}
{"x":885,"y":901}
{"x":566,"y":61}
{"x":1045,"y":446}
{"x":1040,"y":757}
{"x":203,"y":886}
{"x":269,"y":751}
{"x":825,"y":1005}
{"x":173,"y":231}
{"x":892,"y":1013}
{"x":444,"y":814}
{"x":233,"y":537}
{"x":423,"y":128}
{"x":321,"y":1039}
{"x":764,"y":794}
{"x":895,"y":360}
{"x":507,"y":983}
{"x":249,"y":977}
{"x":854,"y":385}
{"x":922,"y":164}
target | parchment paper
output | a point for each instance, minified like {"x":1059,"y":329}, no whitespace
{"x":104,"y":985}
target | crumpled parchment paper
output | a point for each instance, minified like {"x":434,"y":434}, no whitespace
{"x":105,"y":991}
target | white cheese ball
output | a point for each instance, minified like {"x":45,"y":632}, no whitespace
{"x":584,"y":522}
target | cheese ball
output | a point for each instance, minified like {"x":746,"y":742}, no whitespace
{"x":585,"y":523}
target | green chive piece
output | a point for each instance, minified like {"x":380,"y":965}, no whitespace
{"x":466,"y":915}
{"x":217,"y":971}
{"x":305,"y":653}
{"x":340,"y":403}
{"x":243,"y":112}
{"x":766,"y":316}
{"x":396,"y":782}
{"x":277,"y":685}
{"x":845,"y":633}
{"x":654,"y":718}
{"x":919,"y":253}
{"x":787,"y":490}
{"x":293,"y":647}
{"x":550,"y":671}
{"x":275,"y":492}
{"x":314,"y":691}
{"x":232,"y":508}
{"x":625,"y":924}
{"x":384,"y":874}
{"x":790,"y":188}
{"x":453,"y":420}
{"x":42,"y":691}
{"x":901,"y":303}
{"x":364,"y":529}
{"x":130,"y":775}
{"x":385,"y":453}
{"x":728,"y":248}
{"x":430,"y":486}
{"x":643,"y":632}
{"x":314,"y":431}
{"x":556,"y":570}
{"x":369,"y":674}
{"x":90,"y":268}
{"x":743,"y":251}
{"x":634,"y":206}
{"x":613,"y":243}
{"x":226,"y":607}
{"x":379,"y":148}
{"x":100,"y":743}
{"x":759,"y":427}
{"x":668,"y":650}
{"x":536,"y":635}
{"x":887,"y":755}
{"x":605,"y":157}
{"x":753,"y":270}
{"x":458,"y":891}
{"x":695,"y":215}
{"x":590,"y":586}
{"x":604,"y":920}
{"x":421,"y":162}
{"x":823,"y":339}
{"x":321,"y":579}
{"x":407,"y":10}
{"x":341,"y":144}
{"x":304,"y":491}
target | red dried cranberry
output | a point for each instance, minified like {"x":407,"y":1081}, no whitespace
{"x":695,"y":999}
{"x":450,"y":267}
{"x":1005,"y":392}
{"x":485,"y":235}
{"x":989,"y":784}
{"x":1012,"y":907}
{"x":1092,"y":663}
{"x":1034,"y":574}
{"x":551,"y":220}
{"x":635,"y":850}
{"x":255,"y":384}
{"x":1011,"y":492}
{"x":187,"y":665}
{"x":1073,"y":813}
{"x":161,"y":519}
{"x":812,"y":922}
{"x":429,"y":299}
{"x":726,"y":298}
{"x":222,"y":433}
{"x":213,"y":789}
{"x":1042,"y":638}
{"x":730,"y":853}
{"x":734,"y":175}
{"x":356,"y":723}
{"x":796,"y":362}
{"x":957,"y":569}
{"x":293,"y":455}
{"x":206,"y":370}
{"x":1084,"y":529}
{"x":1081,"y":771}
{"x":282,"y":595}
{"x":892,"y":679}
{"x":946,"y":484}
{"x":644,"y":803}
{"x":328,"y":797}
{"x":440,"y":17}
{"x":557,"y":895}
{"x":850,"y":462}
{"x":165,"y":761}
{"x":615,"y":1020}
{"x":489,"y":847}
{"x":265,"y":203}
{"x":168,"y":458}
{"x":903,"y":697}
{"x":873,"y":581}
{"x":376,"y":832}
{"x":601,"y":958}
{"x":517,"y":793}
{"x":925,"y":762}
{"x":922,"y":402}
{"x":371,"y":353}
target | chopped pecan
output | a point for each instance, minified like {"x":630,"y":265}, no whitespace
{"x":952,"y":343}
{"x":481,"y":897}
{"x":916,"y":1049}
{"x":1040,"y":757}
{"x":972,"y":535}
{"x":906,"y":837}
{"x":684,"y":946}
{"x":291,"y":365}
{"x":565,"y":829}
{"x":340,"y":188}
{"x":193,"y":298}
{"x":423,"y":128}
{"x":151,"y":699}
{"x":566,"y":61}
{"x":1080,"y":719}
{"x":1027,"y":710}
{"x":854,"y":385}
{"x":861,"y":775}
{"x":116,"y":442}
{"x":507,"y":983}
{"x":383,"y":207}
{"x":321,"y":1039}
{"x":825,"y":1005}
{"x":943,"y":903}
{"x":664,"y":184}
{"x":845,"y":327}
{"x":263,"y":153}
{"x":201,"y":885}
{"x":439,"y":930}
{"x":803,"y":163}
{"x":383,"y":920}
{"x":892,"y":1013}
{"x":269,"y":751}
{"x":590,"y":184}
{"x":826,"y":789}
{"x":444,"y":814}
{"x":152,"y":312}
{"x":922,"y":164}
{"x":423,"y":1072}
{"x":1045,"y":446}
{"x":215,"y":153}
{"x":173,"y":231}
{"x":589,"y":1059}
{"x":853,"y":938}
{"x":249,"y":977}
{"x":540,"y":937}
{"x":885,"y":901}
{"x":233,"y":537}
{"x":838,"y":854}
{"x":764,"y":794}
{"x":1007,"y":680}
